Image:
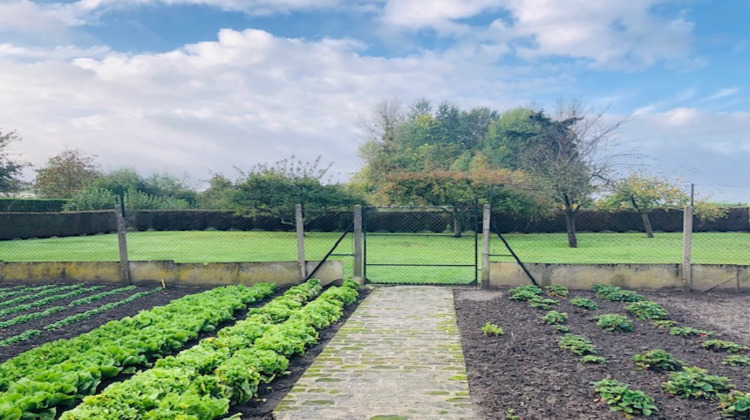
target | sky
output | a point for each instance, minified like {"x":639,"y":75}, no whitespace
{"x":197,"y":87}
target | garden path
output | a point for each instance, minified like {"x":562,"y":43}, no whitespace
{"x":398,"y":357}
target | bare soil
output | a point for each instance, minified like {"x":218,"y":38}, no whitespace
{"x":526,"y":374}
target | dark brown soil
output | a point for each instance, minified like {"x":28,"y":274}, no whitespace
{"x":525,"y":372}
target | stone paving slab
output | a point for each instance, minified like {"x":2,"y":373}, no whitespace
{"x":397,"y":357}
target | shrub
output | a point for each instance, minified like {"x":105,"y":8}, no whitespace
{"x":657,"y":360}
{"x":647,"y":309}
{"x":736,"y":360}
{"x":557,"y":290}
{"x":576,"y":344}
{"x":614,"y":323}
{"x":688,"y":332}
{"x":554,"y":317}
{"x":492,"y":330}
{"x":722,"y":345}
{"x":735,"y":404}
{"x":694,"y":382}
{"x":584,"y":303}
{"x":620,"y":397}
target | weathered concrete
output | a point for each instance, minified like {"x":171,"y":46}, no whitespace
{"x":397,"y":357}
{"x":176,"y":274}
{"x":631,"y":276}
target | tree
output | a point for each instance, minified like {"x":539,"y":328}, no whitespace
{"x":569,"y":159}
{"x":10,"y":169}
{"x":65,"y":174}
{"x":646,"y":193}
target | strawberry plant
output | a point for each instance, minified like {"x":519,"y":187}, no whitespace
{"x":554,"y":317}
{"x":584,"y":303}
{"x":620,"y":397}
{"x":614,"y":323}
{"x":598,"y":360}
{"x":735,"y":404}
{"x":694,"y":382}
{"x":524,"y":293}
{"x":663,"y":323}
{"x":562,"y":328}
{"x":657,"y":360}
{"x":736,"y":360}
{"x":723,"y":345}
{"x":616,"y":293}
{"x":576,"y":344}
{"x":689,"y":332}
{"x":647,"y":309}
{"x":542,"y":303}
{"x":492,"y":330}
{"x":557,"y":291}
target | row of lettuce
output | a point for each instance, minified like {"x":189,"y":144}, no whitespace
{"x":198,"y":383}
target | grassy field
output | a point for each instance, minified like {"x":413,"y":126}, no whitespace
{"x":214,"y":246}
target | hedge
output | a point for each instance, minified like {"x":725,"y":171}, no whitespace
{"x":30,"y":205}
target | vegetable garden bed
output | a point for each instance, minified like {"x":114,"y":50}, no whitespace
{"x":526,"y":374}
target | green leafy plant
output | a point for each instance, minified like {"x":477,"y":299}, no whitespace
{"x":694,"y":382}
{"x":554,"y":317}
{"x":663,"y":323}
{"x":524,"y":293}
{"x":562,"y":328}
{"x":576,"y":344}
{"x":735,"y":404}
{"x":598,"y":360}
{"x":620,"y":397}
{"x":723,"y":345}
{"x":657,"y":360}
{"x":492,"y":330}
{"x":614,"y":323}
{"x":616,"y":293}
{"x":510,"y":414}
{"x":689,"y":332}
{"x":542,"y":303}
{"x":557,"y":290}
{"x":584,"y":303}
{"x":736,"y":360}
{"x":647,"y":309}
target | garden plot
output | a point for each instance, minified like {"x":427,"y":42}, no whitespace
{"x":529,"y":373}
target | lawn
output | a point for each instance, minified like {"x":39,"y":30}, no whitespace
{"x":233,"y":246}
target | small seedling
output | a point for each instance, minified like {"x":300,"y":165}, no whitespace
{"x":492,"y":330}
{"x":689,"y":332}
{"x":554,"y":317}
{"x":735,"y":404}
{"x":576,"y":344}
{"x":557,"y":290}
{"x":614,"y":323}
{"x":694,"y":382}
{"x":647,"y":309}
{"x":599,"y":360}
{"x":736,"y":360}
{"x":722,"y":345}
{"x":510,"y":414}
{"x":657,"y":360}
{"x":663,"y":323}
{"x":584,"y":303}
{"x":620,"y":397}
{"x":562,"y":328}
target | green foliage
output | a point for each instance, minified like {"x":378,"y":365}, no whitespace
{"x":584,"y":303}
{"x":557,"y":290}
{"x":614,"y":323}
{"x":647,"y":309}
{"x":620,"y":397}
{"x":694,"y":382}
{"x":102,"y":199}
{"x":663,"y":323}
{"x":736,"y":360}
{"x":554,"y":317}
{"x":576,"y":344}
{"x":616,"y":293}
{"x":735,"y":405}
{"x":723,"y":345}
{"x":689,"y":332}
{"x":542,"y":303}
{"x":524,"y":293}
{"x":10,"y":169}
{"x":65,"y":174}
{"x":31,"y":205}
{"x":597,"y":360}
{"x":492,"y":330}
{"x":562,"y":328}
{"x":657,"y":360}
{"x":19,"y":337}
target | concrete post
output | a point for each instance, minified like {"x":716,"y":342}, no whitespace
{"x":300,"y":222}
{"x":358,"y":244}
{"x":486,"y":217}
{"x":687,"y":248}
{"x":123,"y":245}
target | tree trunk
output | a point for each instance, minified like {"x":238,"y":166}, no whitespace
{"x":457,"y":228}
{"x":647,"y":225}
{"x":570,"y":222}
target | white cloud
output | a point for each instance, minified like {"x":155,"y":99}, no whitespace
{"x":723,"y":93}
{"x":436,"y":14}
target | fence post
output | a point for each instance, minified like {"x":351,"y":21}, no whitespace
{"x":123,"y":244}
{"x":300,"y":222}
{"x":687,"y":245}
{"x":358,"y":244}
{"x":486,"y":215}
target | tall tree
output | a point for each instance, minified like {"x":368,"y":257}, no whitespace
{"x":65,"y":174}
{"x":10,"y":167}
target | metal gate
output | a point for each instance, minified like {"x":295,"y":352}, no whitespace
{"x":421,"y":245}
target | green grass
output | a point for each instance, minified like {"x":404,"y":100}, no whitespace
{"x":216,"y":246}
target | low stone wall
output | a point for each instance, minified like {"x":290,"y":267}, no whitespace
{"x":173,"y":274}
{"x":630,"y":276}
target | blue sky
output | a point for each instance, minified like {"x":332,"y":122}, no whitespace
{"x":199,"y":86}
